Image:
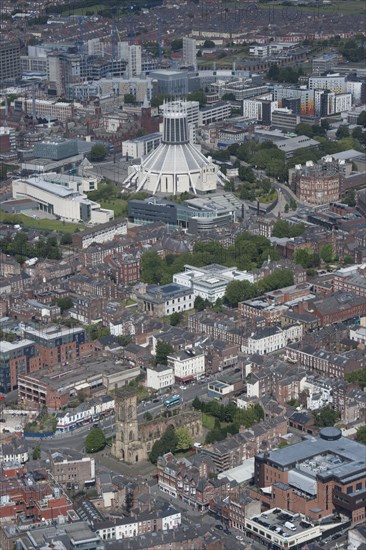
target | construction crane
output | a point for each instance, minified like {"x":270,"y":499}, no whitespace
{"x":132,"y":32}
{"x":159,"y":38}
{"x":81,"y":34}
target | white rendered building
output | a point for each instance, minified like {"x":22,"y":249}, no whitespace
{"x":210,"y":282}
{"x":176,"y":165}
{"x":269,"y":339}
{"x":187,"y":365}
{"x":59,"y":200}
{"x":189,"y":51}
{"x":159,"y":377}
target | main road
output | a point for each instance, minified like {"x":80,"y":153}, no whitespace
{"x":75,"y":439}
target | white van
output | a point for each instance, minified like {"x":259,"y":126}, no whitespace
{"x":290,"y":526}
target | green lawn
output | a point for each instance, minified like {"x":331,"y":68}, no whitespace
{"x":346,"y":7}
{"x":82,"y":11}
{"x":208,"y":421}
{"x":119,"y":206}
{"x":44,"y":225}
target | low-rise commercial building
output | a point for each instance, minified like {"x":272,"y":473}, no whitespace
{"x":160,"y":377}
{"x":187,"y":365}
{"x":162,"y":520}
{"x":72,"y":471}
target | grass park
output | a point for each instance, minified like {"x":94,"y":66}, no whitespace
{"x":84,"y":11}
{"x":41,"y":224}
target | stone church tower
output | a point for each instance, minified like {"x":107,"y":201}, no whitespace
{"x":134,"y":440}
{"x":126,"y":445}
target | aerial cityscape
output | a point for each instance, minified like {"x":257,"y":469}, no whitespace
{"x":182,"y":275}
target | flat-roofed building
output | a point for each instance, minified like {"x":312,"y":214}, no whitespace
{"x":159,"y":377}
{"x":141,"y":146}
{"x":101,"y":234}
{"x":17,"y":358}
{"x":210,"y":282}
{"x":317,"y":477}
{"x":61,"y":201}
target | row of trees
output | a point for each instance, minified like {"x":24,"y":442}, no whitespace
{"x":283,"y":228}
{"x":172,"y":440}
{"x":228,"y":418}
{"x":22,"y":249}
{"x":308,"y":259}
{"x":238,"y":291}
{"x":285,"y":74}
{"x":248,"y":252}
{"x":357,"y":377}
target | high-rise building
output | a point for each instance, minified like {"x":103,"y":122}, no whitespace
{"x":9,"y":61}
{"x":333,"y":82}
{"x":134,"y":61}
{"x":281,"y":92}
{"x":189,"y":52}
{"x":95,"y":47}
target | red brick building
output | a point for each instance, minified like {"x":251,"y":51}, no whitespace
{"x":316,"y":477}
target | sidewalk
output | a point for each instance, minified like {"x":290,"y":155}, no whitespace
{"x":104,"y":459}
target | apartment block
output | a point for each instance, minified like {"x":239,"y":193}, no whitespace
{"x":17,"y":358}
{"x":100,"y":234}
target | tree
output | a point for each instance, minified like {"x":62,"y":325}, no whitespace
{"x":199,"y":96}
{"x":167,"y":443}
{"x":228,"y":97}
{"x":305,"y":257}
{"x":282,"y":228}
{"x":358,"y":377}
{"x":361,"y":434}
{"x":184,"y":439}
{"x":175,"y":318}
{"x":3,"y":171}
{"x":95,"y":440}
{"x":176,"y":45}
{"x":209,"y":44}
{"x":163,"y":349}
{"x":129,"y":98}
{"x":66,"y":239}
{"x":326,"y":417}
{"x":148,"y":416}
{"x":361,"y":119}
{"x":196,"y":403}
{"x":273,"y":72}
{"x":151,"y":268}
{"x":199,"y":304}
{"x":326,"y":253}
{"x":36,"y":452}
{"x":98,"y":152}
{"x":237,"y":291}
{"x":342,"y":132}
{"x":64,"y":303}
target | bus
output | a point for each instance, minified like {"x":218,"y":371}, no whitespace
{"x":172,"y":401}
